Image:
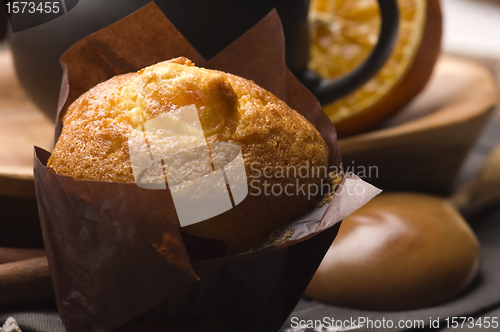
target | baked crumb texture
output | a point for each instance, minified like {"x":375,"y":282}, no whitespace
{"x":93,"y":143}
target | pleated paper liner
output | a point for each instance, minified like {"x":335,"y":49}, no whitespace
{"x":118,"y":258}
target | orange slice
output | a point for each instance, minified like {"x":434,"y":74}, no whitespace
{"x":344,"y":32}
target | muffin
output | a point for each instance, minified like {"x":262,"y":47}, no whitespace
{"x":280,"y":148}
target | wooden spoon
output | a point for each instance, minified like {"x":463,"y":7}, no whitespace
{"x":483,"y":192}
{"x":405,"y":251}
{"x":400,"y":251}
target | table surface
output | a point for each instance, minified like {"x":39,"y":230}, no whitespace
{"x":487,"y":227}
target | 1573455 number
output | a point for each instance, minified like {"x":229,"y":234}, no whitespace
{"x":472,"y":323}
{"x":22,"y":7}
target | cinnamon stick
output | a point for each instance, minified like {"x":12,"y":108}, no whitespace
{"x":8,"y":255}
{"x":25,"y":281}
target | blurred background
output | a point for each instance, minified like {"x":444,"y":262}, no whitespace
{"x":472,"y":30}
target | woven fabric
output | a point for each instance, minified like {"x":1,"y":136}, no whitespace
{"x":40,"y":318}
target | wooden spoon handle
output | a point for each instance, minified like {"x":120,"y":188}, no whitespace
{"x":483,"y":192}
{"x":8,"y":255}
{"x":26,"y":281}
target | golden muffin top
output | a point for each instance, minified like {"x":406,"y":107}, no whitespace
{"x":94,"y":141}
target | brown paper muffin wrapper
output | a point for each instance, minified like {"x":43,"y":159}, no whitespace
{"x":118,"y":258}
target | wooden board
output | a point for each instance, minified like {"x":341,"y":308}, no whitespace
{"x":423,"y":147}
{"x":21,"y":127}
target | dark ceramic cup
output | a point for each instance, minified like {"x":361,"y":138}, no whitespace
{"x":38,"y":49}
{"x":3,"y":23}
